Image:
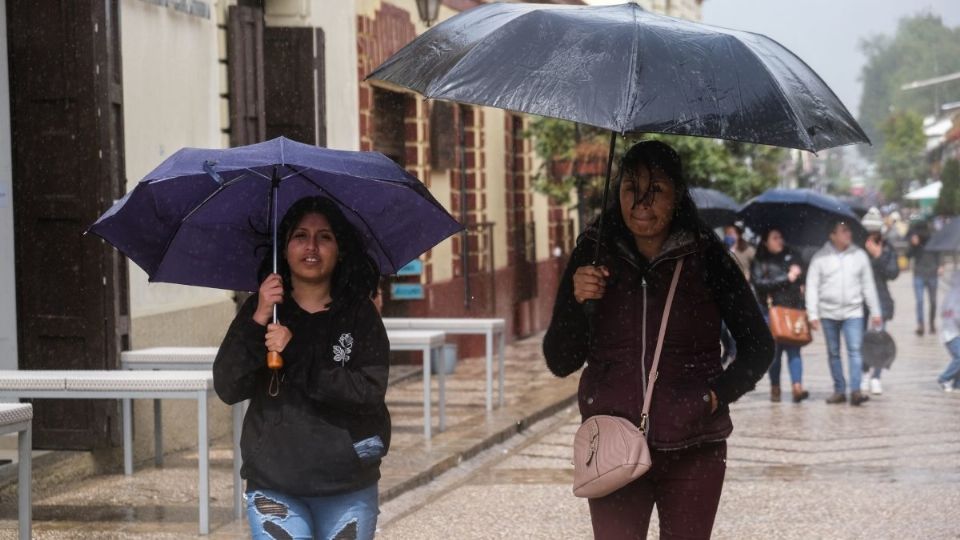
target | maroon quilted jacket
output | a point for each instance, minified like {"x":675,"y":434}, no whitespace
{"x":626,"y":324}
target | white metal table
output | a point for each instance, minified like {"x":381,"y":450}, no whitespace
{"x":193,"y":359}
{"x":490,"y":328}
{"x":429,"y":343}
{"x":18,"y":418}
{"x":125,"y":386}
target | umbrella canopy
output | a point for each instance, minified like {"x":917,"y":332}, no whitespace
{"x":627,"y":70}
{"x":715,"y":207}
{"x":803,"y":216}
{"x":929,"y":192}
{"x":946,"y":239}
{"x":203,"y":216}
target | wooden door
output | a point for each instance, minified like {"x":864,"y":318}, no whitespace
{"x":294,"y":84}
{"x":67,"y":126}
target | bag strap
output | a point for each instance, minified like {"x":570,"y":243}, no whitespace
{"x":648,"y":394}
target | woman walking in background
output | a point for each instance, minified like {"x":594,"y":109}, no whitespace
{"x":883,"y":260}
{"x":926,"y":272}
{"x":777,"y":279}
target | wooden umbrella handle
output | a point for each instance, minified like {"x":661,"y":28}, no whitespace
{"x":274,"y":360}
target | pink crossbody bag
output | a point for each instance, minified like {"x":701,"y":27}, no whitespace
{"x":609,"y":452}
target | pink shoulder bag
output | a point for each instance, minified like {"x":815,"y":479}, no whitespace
{"x":609,"y":452}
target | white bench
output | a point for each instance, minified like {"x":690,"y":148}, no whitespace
{"x":489,"y":328}
{"x":125,"y":386}
{"x":17,"y":418}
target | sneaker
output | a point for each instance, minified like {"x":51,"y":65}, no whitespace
{"x":856,"y":398}
{"x":864,"y":385}
{"x":947,"y":386}
{"x":876,"y":387}
{"x":836,"y":398}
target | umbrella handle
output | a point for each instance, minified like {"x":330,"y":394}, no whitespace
{"x":274,"y":360}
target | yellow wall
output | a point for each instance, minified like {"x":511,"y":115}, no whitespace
{"x":170,"y":100}
{"x":494,"y":150}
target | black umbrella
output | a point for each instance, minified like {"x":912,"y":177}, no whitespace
{"x":946,"y":239}
{"x":627,"y":70}
{"x":715,"y":207}
{"x":803,"y":216}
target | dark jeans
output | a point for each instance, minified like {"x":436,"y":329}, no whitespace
{"x":684,"y":484}
{"x":794,"y":363}
{"x":930,"y":284}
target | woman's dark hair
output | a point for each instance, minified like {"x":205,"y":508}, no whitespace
{"x":741,"y":243}
{"x":356,"y":274}
{"x":654,"y":155}
{"x":762,"y":251}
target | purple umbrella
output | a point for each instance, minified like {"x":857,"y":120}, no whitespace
{"x":203,"y":217}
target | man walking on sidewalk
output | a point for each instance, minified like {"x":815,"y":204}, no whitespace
{"x":839,"y":281}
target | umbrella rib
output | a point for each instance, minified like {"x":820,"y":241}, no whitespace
{"x":342,"y":205}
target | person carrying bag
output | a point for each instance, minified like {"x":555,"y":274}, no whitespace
{"x":777,"y":277}
{"x":626,"y":271}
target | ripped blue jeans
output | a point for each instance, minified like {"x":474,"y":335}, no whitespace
{"x":276,"y":516}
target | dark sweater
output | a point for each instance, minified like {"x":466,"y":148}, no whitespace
{"x":332,"y":389}
{"x":885,"y":268}
{"x":625,"y":327}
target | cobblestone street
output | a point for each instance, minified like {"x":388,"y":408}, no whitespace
{"x":888,"y":469}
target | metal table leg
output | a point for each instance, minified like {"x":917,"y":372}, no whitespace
{"x":503,"y":346}
{"x":127,"y":410}
{"x":426,"y":394}
{"x":237,"y":411}
{"x":157,"y":433}
{"x":25,"y":471}
{"x":489,"y":349}
{"x":203,"y":456}
{"x":442,"y":397}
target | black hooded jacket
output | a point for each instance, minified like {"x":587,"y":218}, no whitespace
{"x":769,"y":276}
{"x":331,"y":395}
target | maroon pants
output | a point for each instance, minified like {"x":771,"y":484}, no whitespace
{"x":684,"y":484}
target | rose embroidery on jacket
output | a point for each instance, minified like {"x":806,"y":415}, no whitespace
{"x":341,"y":352}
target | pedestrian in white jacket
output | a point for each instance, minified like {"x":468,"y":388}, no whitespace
{"x":949,"y":380}
{"x":839,"y":281}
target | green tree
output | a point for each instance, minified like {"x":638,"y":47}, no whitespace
{"x":741,"y":170}
{"x":922,"y":48}
{"x":949,"y":202}
{"x":901,"y":159}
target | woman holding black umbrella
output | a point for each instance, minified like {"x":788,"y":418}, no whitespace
{"x":776,"y":275}
{"x":316,"y":428}
{"x":653,"y":230}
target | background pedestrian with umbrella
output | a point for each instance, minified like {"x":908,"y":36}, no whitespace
{"x":317,"y":426}
{"x":716,"y":208}
{"x":883,"y":262}
{"x":926,"y":272}
{"x":627,"y":70}
{"x":777,"y":277}
{"x":804,"y":217}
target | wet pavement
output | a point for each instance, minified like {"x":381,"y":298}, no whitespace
{"x":162,"y":503}
{"x":888,"y":469}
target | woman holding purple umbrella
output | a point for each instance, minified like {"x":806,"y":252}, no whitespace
{"x":318,"y":427}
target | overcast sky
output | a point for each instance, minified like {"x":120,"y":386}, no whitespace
{"x":824,"y":33}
